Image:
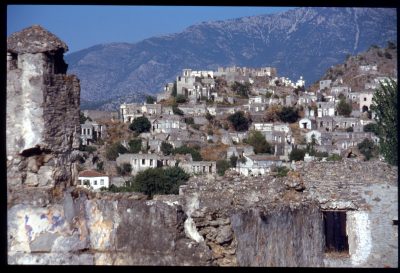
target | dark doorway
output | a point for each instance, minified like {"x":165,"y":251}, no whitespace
{"x":365,"y":108}
{"x":335,"y":231}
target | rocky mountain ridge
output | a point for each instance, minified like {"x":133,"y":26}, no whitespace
{"x":303,"y":41}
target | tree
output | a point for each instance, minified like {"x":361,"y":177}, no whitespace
{"x":177,"y":111}
{"x":196,"y":156}
{"x":125,"y":169}
{"x":100,"y":166}
{"x":114,"y":150}
{"x":180,"y":98}
{"x":371,"y":127}
{"x":311,"y":146}
{"x":242,"y":90}
{"x":281,"y":171}
{"x":343,"y":108}
{"x":239,"y":121}
{"x":159,"y":181}
{"x":174,"y":90}
{"x":166,"y":148}
{"x":288,"y":114}
{"x":209,"y":117}
{"x":175,"y":177}
{"x":391,"y":45}
{"x":268,"y":94}
{"x":150,"y":181}
{"x":297,"y":154}
{"x":259,"y":143}
{"x":140,"y":125}
{"x":384,"y":104}
{"x":82,"y":118}
{"x":135,"y":145}
{"x":222,"y":165}
{"x":233,"y":160}
{"x":189,"y":120}
{"x":367,"y":148}
{"x":150,"y":100}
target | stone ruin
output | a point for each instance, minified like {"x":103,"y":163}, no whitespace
{"x":220,"y":221}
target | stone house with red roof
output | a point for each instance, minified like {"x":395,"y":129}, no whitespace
{"x":93,"y":180}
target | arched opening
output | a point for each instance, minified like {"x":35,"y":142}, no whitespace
{"x":365,"y":108}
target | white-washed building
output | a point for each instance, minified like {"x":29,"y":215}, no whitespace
{"x":91,"y":132}
{"x":256,"y":165}
{"x":93,"y":180}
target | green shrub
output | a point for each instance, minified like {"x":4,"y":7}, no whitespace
{"x":288,"y":114}
{"x":180,"y":98}
{"x":222,"y":166}
{"x":166,"y":148}
{"x":174,"y":90}
{"x":388,"y":55}
{"x":321,"y":154}
{"x":334,"y":157}
{"x":367,"y":148}
{"x":233,"y":160}
{"x":196,"y":156}
{"x":209,"y":117}
{"x":89,"y":149}
{"x":189,"y":120}
{"x":384,"y":105}
{"x":113,"y":150}
{"x":124,"y":169}
{"x":281,"y":171}
{"x":135,"y":145}
{"x":150,"y":100}
{"x":259,"y":143}
{"x":159,"y":181}
{"x":371,"y":127}
{"x":239,"y":121}
{"x":343,"y":108}
{"x":140,"y":125}
{"x":177,"y":111}
{"x":100,"y":166}
{"x":242,"y":90}
{"x":82,"y":118}
{"x":297,"y":154}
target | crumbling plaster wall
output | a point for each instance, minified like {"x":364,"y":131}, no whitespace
{"x":368,"y":191}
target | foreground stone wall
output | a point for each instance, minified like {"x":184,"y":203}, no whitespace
{"x":231,"y":221}
{"x":288,"y":237}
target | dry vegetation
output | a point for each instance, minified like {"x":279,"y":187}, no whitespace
{"x":117,"y":131}
{"x":214,"y":152}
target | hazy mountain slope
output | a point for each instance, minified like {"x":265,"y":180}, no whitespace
{"x":303,"y":41}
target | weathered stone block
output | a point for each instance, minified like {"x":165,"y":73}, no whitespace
{"x":225,"y":235}
{"x":44,"y":242}
{"x":45,"y":176}
{"x":31,"y":179}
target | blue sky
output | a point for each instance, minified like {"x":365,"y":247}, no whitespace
{"x":84,"y":26}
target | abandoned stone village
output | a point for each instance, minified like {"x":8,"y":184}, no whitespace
{"x":322,"y":213}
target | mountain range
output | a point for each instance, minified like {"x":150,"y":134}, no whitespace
{"x":299,"y":42}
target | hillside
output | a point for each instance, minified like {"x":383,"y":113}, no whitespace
{"x":302,"y":41}
{"x":385,"y":60}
